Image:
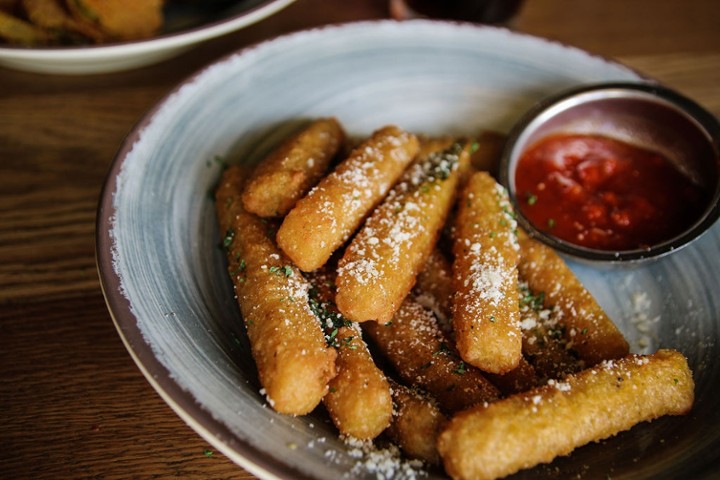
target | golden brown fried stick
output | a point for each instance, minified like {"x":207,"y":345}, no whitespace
{"x":544,"y":344}
{"x":485,"y":277}
{"x":293,"y":359}
{"x":588,"y":329}
{"x":545,"y":353}
{"x":379,"y":266}
{"x":519,"y":379}
{"x":291,"y":169}
{"x":53,"y":16}
{"x":18,"y":31}
{"x":325,"y":218}
{"x":359,"y":400}
{"x":120,"y":19}
{"x":526,"y":429}
{"x":434,"y":291}
{"x":417,"y":350}
{"x":416,"y":424}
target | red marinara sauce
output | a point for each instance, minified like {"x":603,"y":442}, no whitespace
{"x":602,"y":193}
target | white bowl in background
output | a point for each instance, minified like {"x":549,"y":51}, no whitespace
{"x":185,"y":29}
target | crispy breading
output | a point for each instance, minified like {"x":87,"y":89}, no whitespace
{"x":416,"y":424}
{"x":120,"y":19}
{"x":293,"y":359}
{"x":485,"y":277}
{"x":544,"y":344}
{"x":289,"y":171}
{"x":21,"y":32}
{"x":359,"y":400}
{"x":587,"y":328}
{"x":417,"y":350}
{"x":53,"y":16}
{"x":519,"y":379}
{"x":434,"y":290}
{"x":488,"y":442}
{"x":381,"y":263}
{"x":325,"y":218}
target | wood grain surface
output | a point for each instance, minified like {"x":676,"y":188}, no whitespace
{"x":72,"y":402}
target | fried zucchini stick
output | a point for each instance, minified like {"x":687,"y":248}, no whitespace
{"x":359,"y":401}
{"x":434,"y":291}
{"x":381,"y":263}
{"x":325,"y":218}
{"x":486,"y":315}
{"x":526,"y":429}
{"x":544,"y":344}
{"x":417,"y":422}
{"x":289,"y":171}
{"x":293,"y":359}
{"x":21,"y":32}
{"x":588,"y":329}
{"x":417,"y":350}
{"x":120,"y":19}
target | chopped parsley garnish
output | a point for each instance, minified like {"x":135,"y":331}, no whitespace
{"x":229,"y":236}
{"x":510,"y":213}
{"x":461,"y":369}
{"x":280,"y":271}
{"x":442,"y":350}
{"x":531,"y":199}
{"x":443,"y":163}
{"x":534,"y":301}
{"x":330,"y":319}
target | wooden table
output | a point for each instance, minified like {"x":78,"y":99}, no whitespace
{"x":72,"y":402}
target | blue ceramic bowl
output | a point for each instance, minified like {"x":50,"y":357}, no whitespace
{"x":164,"y":276}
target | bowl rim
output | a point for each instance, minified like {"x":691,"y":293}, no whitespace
{"x":179,"y":38}
{"x":214,"y":431}
{"x":704,"y":120}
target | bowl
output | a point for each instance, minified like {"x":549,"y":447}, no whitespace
{"x":186,"y":25}
{"x":615,"y":172}
{"x":164,"y":276}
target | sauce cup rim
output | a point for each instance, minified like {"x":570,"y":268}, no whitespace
{"x":532,"y":119}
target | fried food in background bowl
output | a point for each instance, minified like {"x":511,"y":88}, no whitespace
{"x":100,"y":36}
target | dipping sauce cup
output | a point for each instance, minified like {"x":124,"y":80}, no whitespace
{"x":618,"y":172}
